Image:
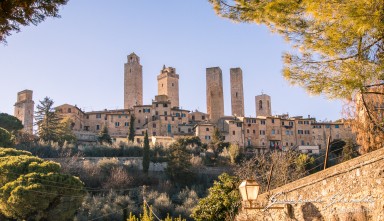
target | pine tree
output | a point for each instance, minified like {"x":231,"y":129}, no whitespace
{"x":131,"y":136}
{"x":146,"y":159}
{"x":47,"y":121}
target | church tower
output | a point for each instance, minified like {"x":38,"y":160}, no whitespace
{"x":24,"y":108}
{"x":215,"y":97}
{"x":263,"y":105}
{"x":237,"y":95}
{"x":133,"y":82}
{"x":168,"y":84}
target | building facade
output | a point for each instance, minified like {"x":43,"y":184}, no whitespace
{"x":168,"y":84}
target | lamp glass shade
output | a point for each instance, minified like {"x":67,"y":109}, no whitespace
{"x":249,"y":190}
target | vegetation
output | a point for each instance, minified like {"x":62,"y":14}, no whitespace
{"x":340,"y":52}
{"x":31,"y":188}
{"x":20,"y":13}
{"x":104,"y":136}
{"x":131,"y":135}
{"x":10,"y":123}
{"x":47,"y":120}
{"x":6,"y":138}
{"x":222,"y":201}
{"x":146,"y":152}
{"x":65,"y":132}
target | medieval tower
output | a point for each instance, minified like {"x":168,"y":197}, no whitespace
{"x":237,"y":95}
{"x":133,"y":82}
{"x":215,"y":97}
{"x":24,"y":108}
{"x":263,"y":105}
{"x":168,"y":84}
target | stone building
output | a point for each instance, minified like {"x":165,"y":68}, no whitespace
{"x":168,"y":84}
{"x":215,"y":96}
{"x":263,"y":105}
{"x":24,"y":110}
{"x":237,"y":94}
{"x":133,"y":82}
{"x":165,"y":121}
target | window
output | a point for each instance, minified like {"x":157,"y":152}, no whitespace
{"x":302,"y":142}
{"x":287,"y":132}
{"x":97,"y":127}
{"x":117,"y":124}
{"x":173,"y":119}
{"x":273,"y":121}
{"x":156,"y":113}
{"x":165,"y":118}
{"x":327,"y":126}
{"x":207,"y":129}
{"x":236,"y":94}
{"x":273,"y":131}
{"x":254,"y":131}
{"x":291,"y":144}
{"x":282,"y":123}
{"x":337,"y":126}
{"x":165,"y":105}
{"x":139,"y":111}
{"x":154,"y":133}
{"x":98,"y":115}
{"x":69,"y":110}
{"x":260,"y":105}
{"x":306,"y":132}
{"x":291,"y":123}
{"x":247,"y":131}
{"x":262,"y":122}
{"x":165,"y":113}
{"x":172,"y":84}
{"x":203,"y":117}
{"x":262,"y":132}
{"x":126,"y":124}
{"x":300,"y":122}
{"x":207,"y":137}
{"x":177,"y":114}
{"x":193,"y":117}
{"x":138,"y":121}
{"x":183,"y":115}
{"x":154,"y":125}
{"x":233,"y":132}
{"x":300,"y":132}
{"x":119,"y":116}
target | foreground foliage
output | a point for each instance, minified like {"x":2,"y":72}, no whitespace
{"x":31,"y":188}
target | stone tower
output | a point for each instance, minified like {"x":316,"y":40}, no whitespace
{"x":133,"y":82}
{"x":24,"y":108}
{"x":168,"y":84}
{"x":263,"y":105}
{"x":237,"y":95}
{"x":215,"y":97}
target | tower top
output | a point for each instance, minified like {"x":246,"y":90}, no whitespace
{"x":167,"y":72}
{"x":133,"y":58}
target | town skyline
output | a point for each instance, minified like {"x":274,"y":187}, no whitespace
{"x":89,"y":72}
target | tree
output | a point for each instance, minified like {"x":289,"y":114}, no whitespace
{"x":33,"y":189}
{"x":348,"y":151}
{"x":104,"y":136}
{"x":47,"y":121}
{"x":6,"y":138}
{"x":22,"y":13}
{"x":10,"y":122}
{"x":339,"y":49}
{"x":222,"y":202}
{"x":146,"y":152}
{"x":65,"y":131}
{"x":131,"y":136}
{"x":336,"y":147}
{"x":179,"y":168}
{"x":234,"y":152}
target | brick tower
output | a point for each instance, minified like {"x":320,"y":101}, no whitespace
{"x":263,"y":105}
{"x":168,"y":84}
{"x":237,"y":94}
{"x":24,"y":108}
{"x":215,"y":97}
{"x":133,"y":82}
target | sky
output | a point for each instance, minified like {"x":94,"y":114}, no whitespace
{"x":79,"y":58}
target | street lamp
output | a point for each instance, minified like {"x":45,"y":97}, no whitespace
{"x":249,"y":190}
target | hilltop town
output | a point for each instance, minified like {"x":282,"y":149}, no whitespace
{"x":165,"y":121}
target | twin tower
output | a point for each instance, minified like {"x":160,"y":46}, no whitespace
{"x":168,"y":84}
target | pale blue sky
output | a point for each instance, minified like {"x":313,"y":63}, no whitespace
{"x":79,"y":58}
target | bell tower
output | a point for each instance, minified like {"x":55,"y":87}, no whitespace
{"x":133,"y":82}
{"x":24,"y":108}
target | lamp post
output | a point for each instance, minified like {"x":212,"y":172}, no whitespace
{"x":249,"y":190}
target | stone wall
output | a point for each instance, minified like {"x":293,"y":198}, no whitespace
{"x":353,"y":190}
{"x":215,"y":96}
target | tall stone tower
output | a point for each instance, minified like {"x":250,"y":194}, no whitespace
{"x":215,"y":97}
{"x":133,"y":82}
{"x":263,"y":105}
{"x":237,"y":94}
{"x":168,"y":84}
{"x":24,"y":108}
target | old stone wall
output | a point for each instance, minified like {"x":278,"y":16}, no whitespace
{"x":353,"y":190}
{"x":215,"y":97}
{"x":237,"y":94}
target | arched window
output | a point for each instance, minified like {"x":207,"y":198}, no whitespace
{"x":260,"y":105}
